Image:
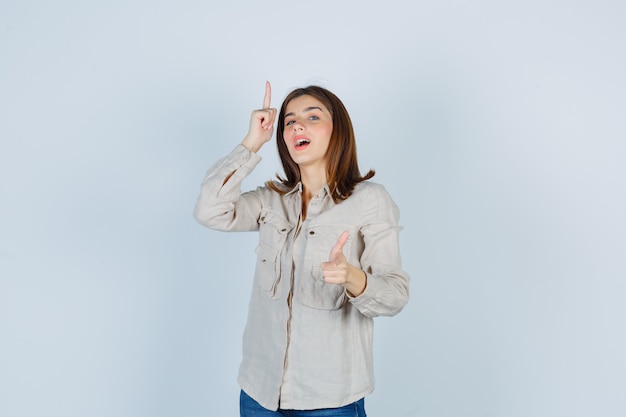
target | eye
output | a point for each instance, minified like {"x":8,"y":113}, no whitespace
{"x":290,"y":122}
{"x":314,"y":118}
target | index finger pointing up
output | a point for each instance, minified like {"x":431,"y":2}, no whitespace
{"x":268,"y":95}
{"x":338,"y":248}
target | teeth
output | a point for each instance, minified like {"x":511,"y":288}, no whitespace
{"x":301,"y":142}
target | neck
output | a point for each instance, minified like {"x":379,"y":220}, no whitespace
{"x":312,"y":181}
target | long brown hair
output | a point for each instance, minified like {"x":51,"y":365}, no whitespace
{"x":342,"y":168}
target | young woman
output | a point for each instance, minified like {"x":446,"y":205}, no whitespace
{"x":328,"y":259}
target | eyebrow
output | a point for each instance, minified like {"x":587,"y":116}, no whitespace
{"x":305,"y":110}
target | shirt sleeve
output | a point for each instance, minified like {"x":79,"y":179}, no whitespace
{"x":221,"y":205}
{"x":387,"y":289}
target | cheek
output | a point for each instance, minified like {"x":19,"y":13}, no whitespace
{"x":329,"y":129}
{"x":287,"y":146}
{"x":327,"y":134}
{"x":287,"y":134}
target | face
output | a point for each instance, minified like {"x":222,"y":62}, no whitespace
{"x":307,"y":130}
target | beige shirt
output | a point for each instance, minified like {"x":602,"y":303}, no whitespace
{"x":308,"y":344}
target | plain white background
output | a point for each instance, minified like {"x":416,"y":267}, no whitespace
{"x":497,"y":126}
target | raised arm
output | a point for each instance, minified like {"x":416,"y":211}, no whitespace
{"x":220,"y":204}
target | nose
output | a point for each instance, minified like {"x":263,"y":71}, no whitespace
{"x":297,"y":126}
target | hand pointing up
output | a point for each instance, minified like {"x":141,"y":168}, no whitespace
{"x":261,"y":123}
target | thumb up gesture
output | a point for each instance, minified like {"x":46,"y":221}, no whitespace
{"x":338,"y":271}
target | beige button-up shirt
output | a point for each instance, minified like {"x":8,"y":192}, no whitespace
{"x":308,"y":344}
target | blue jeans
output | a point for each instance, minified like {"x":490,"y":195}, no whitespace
{"x":250,"y":408}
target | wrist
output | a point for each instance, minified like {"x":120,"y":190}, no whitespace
{"x":357,"y":282}
{"x":250,"y":145}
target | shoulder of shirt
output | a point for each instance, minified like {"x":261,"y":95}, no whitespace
{"x":367,"y":192}
{"x":365,"y":188}
{"x":265,"y":189}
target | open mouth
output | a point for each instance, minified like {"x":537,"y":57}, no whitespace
{"x":301,"y":143}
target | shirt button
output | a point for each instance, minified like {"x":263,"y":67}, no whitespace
{"x":312,"y":232}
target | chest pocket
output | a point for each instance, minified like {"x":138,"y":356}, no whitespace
{"x":273,"y":232}
{"x":312,"y":290}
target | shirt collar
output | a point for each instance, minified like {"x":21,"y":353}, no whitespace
{"x":298,"y":188}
